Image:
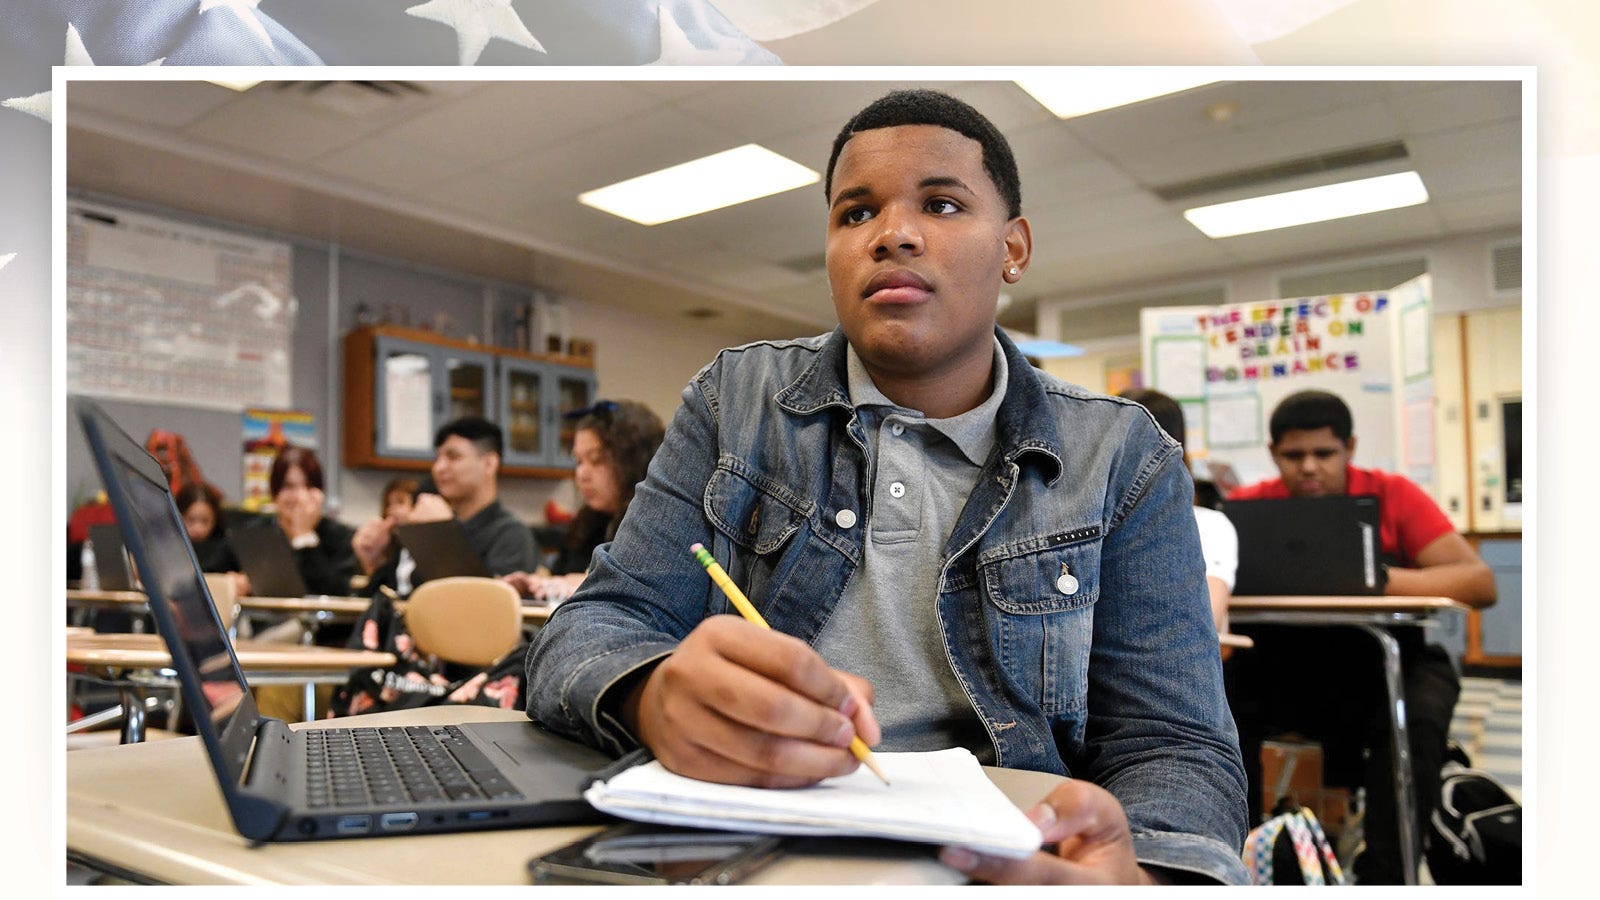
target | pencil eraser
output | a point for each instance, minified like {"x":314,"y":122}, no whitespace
{"x":696,"y":547}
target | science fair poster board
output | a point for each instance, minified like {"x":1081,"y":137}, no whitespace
{"x":163,"y":311}
{"x":1229,"y":365}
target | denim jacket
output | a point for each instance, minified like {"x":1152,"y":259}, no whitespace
{"x":1117,"y":680}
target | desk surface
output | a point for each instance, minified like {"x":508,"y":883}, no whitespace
{"x":351,"y":607}
{"x":149,"y":651}
{"x":175,"y":828}
{"x":1363,"y":604}
{"x":80,"y":597}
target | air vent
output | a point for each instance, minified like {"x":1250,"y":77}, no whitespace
{"x":1120,"y":317}
{"x":355,"y":99}
{"x":1261,"y":176}
{"x":1505,"y":265}
{"x":1372,"y":276}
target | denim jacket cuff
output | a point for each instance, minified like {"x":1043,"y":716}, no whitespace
{"x":599,"y":681}
{"x":1195,"y":856}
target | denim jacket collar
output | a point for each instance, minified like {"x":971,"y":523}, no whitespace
{"x":1025,"y":429}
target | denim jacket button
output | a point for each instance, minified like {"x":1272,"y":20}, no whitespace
{"x":1067,"y":584}
{"x":845,"y":518}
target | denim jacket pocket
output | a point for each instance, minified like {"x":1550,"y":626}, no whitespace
{"x":752,"y":509}
{"x":1041,"y":594}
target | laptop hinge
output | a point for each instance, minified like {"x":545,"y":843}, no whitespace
{"x":260,"y":804}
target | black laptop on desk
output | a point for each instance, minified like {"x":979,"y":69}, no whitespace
{"x":1320,"y":546}
{"x":267,"y":557}
{"x":441,"y":550}
{"x":111,"y":569}
{"x":286,"y":785}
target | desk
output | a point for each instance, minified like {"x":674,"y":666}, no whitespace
{"x":176,"y":829}
{"x":80,"y":602}
{"x":315,"y":611}
{"x":132,"y":662}
{"x":1371,"y":615}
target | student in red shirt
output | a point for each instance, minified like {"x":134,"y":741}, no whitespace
{"x":1328,"y":683}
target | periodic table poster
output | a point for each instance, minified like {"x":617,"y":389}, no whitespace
{"x":173,"y":312}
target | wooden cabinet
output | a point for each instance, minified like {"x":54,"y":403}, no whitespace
{"x":401,"y":384}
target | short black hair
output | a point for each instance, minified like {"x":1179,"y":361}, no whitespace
{"x":484,"y":434}
{"x":924,"y":107}
{"x":1310,"y":411}
{"x":1168,"y":414}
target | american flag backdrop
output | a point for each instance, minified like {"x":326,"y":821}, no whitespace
{"x":38,"y":34}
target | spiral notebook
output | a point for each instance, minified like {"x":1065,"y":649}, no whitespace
{"x":936,"y":797}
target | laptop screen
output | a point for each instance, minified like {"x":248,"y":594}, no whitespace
{"x":173,"y":581}
{"x":218,"y":698}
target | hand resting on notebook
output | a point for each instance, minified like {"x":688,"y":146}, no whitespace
{"x":738,"y":704}
{"x":1092,"y":844}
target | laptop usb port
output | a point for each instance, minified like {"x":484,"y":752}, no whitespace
{"x":398,"y":821}
{"x":353,"y":824}
{"x":476,"y":815}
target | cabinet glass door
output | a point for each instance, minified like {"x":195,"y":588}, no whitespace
{"x":522,"y":393}
{"x":574,"y":391}
{"x":405,"y":401}
{"x":469,"y":380}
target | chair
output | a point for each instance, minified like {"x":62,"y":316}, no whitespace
{"x":226,"y":601}
{"x":464,"y":619}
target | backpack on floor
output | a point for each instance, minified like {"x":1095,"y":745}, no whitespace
{"x":1475,"y":836}
{"x":1291,"y":848}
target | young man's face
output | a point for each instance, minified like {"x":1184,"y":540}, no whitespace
{"x":461,"y":470}
{"x":1312,"y":462}
{"x":918,"y":246}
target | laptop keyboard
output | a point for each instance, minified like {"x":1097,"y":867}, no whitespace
{"x":415,"y":764}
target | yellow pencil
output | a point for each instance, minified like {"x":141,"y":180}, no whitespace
{"x":746,"y":609}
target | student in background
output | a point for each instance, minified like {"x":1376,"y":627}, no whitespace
{"x":321,"y":544}
{"x":1218,"y":539}
{"x":952,"y":548}
{"x":613,"y":445}
{"x":466,"y":468}
{"x":200,"y":504}
{"x":1328,"y":683}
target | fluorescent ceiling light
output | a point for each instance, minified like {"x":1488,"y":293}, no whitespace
{"x":1318,"y":204}
{"x":1077,"y":93}
{"x":701,"y":185}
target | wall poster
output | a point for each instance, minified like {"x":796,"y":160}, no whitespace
{"x":171,"y":312}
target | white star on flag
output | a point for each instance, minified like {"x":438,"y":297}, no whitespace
{"x":475,"y":22}
{"x":678,"y":50}
{"x":76,"y":55}
{"x":246,"y":11}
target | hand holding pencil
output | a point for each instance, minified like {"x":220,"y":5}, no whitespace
{"x":738,"y":703}
{"x":746,"y":609}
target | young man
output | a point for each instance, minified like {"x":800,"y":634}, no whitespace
{"x":466,"y":467}
{"x":939,"y":536}
{"x":1336,"y":692}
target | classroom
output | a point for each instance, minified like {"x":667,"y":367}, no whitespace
{"x":303,"y":293}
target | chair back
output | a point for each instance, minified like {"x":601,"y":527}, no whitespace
{"x":465,"y":619}
{"x":220,"y":587}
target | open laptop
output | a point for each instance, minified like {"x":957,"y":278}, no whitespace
{"x":1307,"y":546}
{"x":111,"y":559}
{"x":267,"y":557}
{"x":441,"y":550}
{"x":286,"y":785}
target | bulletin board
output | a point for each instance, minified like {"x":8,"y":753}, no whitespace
{"x":172,"y":312}
{"x":1228,"y":366}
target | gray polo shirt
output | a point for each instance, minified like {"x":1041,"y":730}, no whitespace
{"x":886,"y":626}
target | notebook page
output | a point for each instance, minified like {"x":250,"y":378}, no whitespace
{"x":938,"y":797}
